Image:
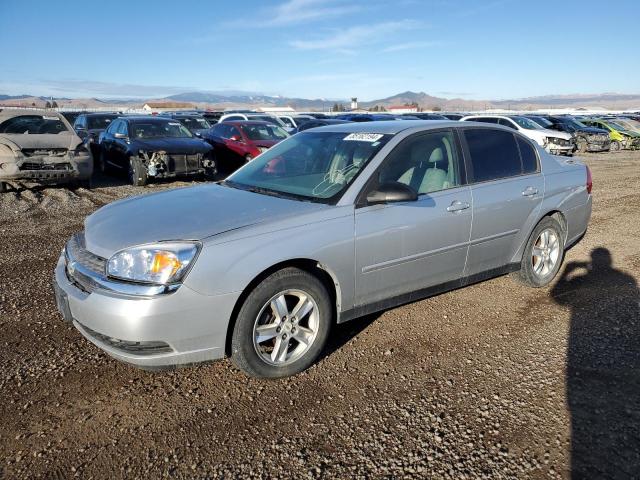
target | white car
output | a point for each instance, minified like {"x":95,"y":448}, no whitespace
{"x":557,"y":143}
{"x":293,"y":122}
{"x":263,"y":117}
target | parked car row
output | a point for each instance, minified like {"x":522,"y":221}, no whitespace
{"x":147,"y":147}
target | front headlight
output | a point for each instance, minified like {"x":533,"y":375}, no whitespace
{"x":160,"y":263}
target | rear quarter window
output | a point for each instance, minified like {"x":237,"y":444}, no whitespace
{"x":528,"y":155}
{"x":494,"y":154}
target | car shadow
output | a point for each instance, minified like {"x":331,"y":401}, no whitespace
{"x":343,"y":333}
{"x":603,"y":367}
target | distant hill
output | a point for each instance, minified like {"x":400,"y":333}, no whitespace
{"x":239,"y":99}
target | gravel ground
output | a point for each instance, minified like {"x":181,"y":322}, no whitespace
{"x":493,"y":381}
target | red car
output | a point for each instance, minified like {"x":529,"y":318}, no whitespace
{"x":236,"y":143}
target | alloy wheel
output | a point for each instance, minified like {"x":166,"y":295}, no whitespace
{"x":286,"y":327}
{"x":545,"y":253}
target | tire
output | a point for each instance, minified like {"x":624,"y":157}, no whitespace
{"x":102,"y":163}
{"x":137,"y":172}
{"x":271,"y":357}
{"x":582,"y":145}
{"x":615,"y":146}
{"x":542,"y":258}
{"x":4,"y":187}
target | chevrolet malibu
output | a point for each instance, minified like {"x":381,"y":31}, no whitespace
{"x":356,"y":218}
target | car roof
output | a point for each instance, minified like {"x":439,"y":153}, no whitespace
{"x":239,"y":123}
{"x":17,"y":112}
{"x":100,"y":114}
{"x":145,"y":118}
{"x":387,"y":126}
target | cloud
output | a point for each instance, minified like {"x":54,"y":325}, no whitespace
{"x":409,"y":46}
{"x":346,"y":40}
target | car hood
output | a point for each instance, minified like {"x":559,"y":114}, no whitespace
{"x":192,"y":213}
{"x":172,"y":145}
{"x":592,"y":131}
{"x":554,"y":133}
{"x":61,"y":140}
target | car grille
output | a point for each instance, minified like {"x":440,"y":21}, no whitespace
{"x":76,"y":252}
{"x":561,"y":142}
{"x":184,"y":162}
{"x":138,"y":348}
{"x":44,"y":152}
{"x":45,"y":166}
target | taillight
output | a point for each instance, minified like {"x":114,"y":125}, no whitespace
{"x":589,"y":180}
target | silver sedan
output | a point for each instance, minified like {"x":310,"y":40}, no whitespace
{"x":329,"y":225}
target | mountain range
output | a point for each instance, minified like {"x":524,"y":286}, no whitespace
{"x":237,"y":99}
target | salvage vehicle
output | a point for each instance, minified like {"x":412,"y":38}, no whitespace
{"x":621,"y":138}
{"x":89,"y":126}
{"x":41,"y":147}
{"x":361,"y":217}
{"x":195,"y":123}
{"x":557,"y":143}
{"x":236,"y":143}
{"x":628,"y":124}
{"x":587,"y":139}
{"x":150,"y":147}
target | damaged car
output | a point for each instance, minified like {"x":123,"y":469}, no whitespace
{"x":147,"y":147}
{"x":41,"y":147}
{"x":621,"y":138}
{"x":587,"y":139}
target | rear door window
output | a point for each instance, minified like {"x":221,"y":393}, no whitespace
{"x":507,"y":123}
{"x":494,"y":154}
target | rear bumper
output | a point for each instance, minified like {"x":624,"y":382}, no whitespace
{"x":182,"y":327}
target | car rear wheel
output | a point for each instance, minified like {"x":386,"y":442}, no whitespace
{"x":615,"y":146}
{"x":282,"y":325}
{"x":137,"y":172}
{"x":543,"y":254}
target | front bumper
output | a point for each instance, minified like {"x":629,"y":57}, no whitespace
{"x":560,"y":149}
{"x":46,"y":170}
{"x":178,"y":328}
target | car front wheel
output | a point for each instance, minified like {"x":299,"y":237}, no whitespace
{"x":543,"y":254}
{"x":282,"y":325}
{"x":137,"y":172}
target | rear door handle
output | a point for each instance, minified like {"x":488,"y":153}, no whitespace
{"x":529,"y":192}
{"x":457,"y":206}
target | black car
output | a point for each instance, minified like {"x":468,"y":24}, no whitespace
{"x":428,"y":116}
{"x":587,"y":139}
{"x":153,"y":147}
{"x":89,"y":126}
{"x":212,"y":116}
{"x":195,"y":122}
{"x":454,"y":116}
{"x":320,"y":122}
{"x":71,"y":116}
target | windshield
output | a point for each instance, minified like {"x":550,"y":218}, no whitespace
{"x":526,"y":123}
{"x":316,"y":166}
{"x":101,"y":122}
{"x":575,"y":124}
{"x":543,"y":122}
{"x":616,"y":126}
{"x":195,"y":123}
{"x":159,"y":129}
{"x":264,"y":132}
{"x":33,"y":124}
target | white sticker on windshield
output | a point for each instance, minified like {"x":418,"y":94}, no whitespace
{"x":363,"y":137}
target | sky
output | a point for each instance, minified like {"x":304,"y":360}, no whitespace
{"x":334,"y":49}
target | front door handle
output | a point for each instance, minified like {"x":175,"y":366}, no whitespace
{"x":529,"y":192}
{"x":457,"y":206}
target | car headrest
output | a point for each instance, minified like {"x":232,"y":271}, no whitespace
{"x":436,"y":156}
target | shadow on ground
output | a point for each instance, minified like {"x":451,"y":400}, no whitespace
{"x":603,"y":367}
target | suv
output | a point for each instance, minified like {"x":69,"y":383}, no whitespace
{"x":89,"y":126}
{"x":557,"y":143}
{"x":41,"y":147}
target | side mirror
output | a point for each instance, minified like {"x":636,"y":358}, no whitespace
{"x":120,"y":135}
{"x":392,"y":192}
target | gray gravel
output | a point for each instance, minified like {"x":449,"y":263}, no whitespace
{"x":492,"y":381}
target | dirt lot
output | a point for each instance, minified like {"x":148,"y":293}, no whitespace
{"x":496,"y":380}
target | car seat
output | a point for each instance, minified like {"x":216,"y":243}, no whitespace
{"x":426,"y":176}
